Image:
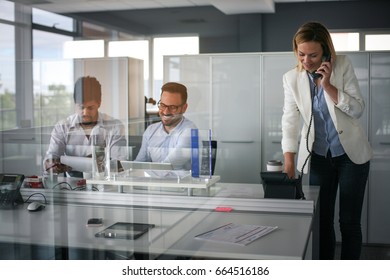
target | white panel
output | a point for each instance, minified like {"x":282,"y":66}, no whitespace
{"x":273,"y":68}
{"x":194,"y":73}
{"x":379,"y":191}
{"x":236,"y":117}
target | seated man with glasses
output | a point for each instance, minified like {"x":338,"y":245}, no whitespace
{"x":169,"y":141}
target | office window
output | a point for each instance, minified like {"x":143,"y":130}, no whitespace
{"x":170,"y":46}
{"x":7,"y":10}
{"x":345,"y":41}
{"x":94,"y":31}
{"x":137,"y":49}
{"x":355,"y":41}
{"x":52,"y":20}
{"x":52,"y":78}
{"x":7,"y":77}
{"x":48,"y":45}
{"x":377,"y":42}
{"x":84,"y":49}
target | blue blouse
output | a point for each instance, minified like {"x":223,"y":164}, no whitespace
{"x":326,"y":136}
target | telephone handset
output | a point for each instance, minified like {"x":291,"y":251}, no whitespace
{"x":10,"y":194}
{"x":326,"y":58}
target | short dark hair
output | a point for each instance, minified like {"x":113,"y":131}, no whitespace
{"x":87,"y":89}
{"x":173,"y":87}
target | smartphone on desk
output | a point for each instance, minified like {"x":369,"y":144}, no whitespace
{"x":95,"y":222}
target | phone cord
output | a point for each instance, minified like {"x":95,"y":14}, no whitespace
{"x":308,"y":130}
{"x":307,"y":135}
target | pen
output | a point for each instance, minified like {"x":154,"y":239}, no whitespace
{"x":52,"y":166}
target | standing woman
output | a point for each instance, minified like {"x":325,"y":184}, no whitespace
{"x":324,"y":91}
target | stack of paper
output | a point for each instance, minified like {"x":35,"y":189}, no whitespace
{"x":236,"y":233}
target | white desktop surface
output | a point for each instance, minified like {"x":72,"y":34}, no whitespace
{"x":177,"y":221}
{"x":174,"y":232}
{"x":289,"y":241}
{"x":65,"y":226}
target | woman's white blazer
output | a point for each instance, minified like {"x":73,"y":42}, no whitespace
{"x":345,"y":114}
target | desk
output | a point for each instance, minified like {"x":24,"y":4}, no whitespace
{"x":289,"y":241}
{"x":177,"y":220}
{"x":169,"y":179}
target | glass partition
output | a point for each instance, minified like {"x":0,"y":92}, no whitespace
{"x":237,"y":97}
{"x":8,"y":117}
{"x":121,"y":79}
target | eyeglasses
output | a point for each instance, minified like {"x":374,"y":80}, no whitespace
{"x":171,"y":108}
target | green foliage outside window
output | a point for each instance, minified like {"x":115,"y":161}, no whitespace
{"x":48,"y":108}
{"x":53,"y":107}
{"x":7,"y":109}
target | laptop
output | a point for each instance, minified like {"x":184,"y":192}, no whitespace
{"x":128,"y":165}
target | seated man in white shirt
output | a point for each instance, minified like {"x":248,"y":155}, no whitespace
{"x":88,"y":127}
{"x":169,"y":141}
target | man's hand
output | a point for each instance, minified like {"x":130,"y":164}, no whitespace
{"x":55,"y":166}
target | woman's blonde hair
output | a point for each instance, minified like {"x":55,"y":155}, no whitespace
{"x":314,"y":32}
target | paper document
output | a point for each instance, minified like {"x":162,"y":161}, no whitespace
{"x":236,"y":233}
{"x":82,"y":164}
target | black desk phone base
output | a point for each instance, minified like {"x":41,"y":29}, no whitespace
{"x":10,"y":190}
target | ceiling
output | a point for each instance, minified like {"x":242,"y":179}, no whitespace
{"x":149,"y":17}
{"x":228,"y":7}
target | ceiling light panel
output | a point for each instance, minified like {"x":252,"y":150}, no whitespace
{"x":231,"y":7}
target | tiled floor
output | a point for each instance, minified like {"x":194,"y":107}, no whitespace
{"x":375,"y":253}
{"x":370,"y":252}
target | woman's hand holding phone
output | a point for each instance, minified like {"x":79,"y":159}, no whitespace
{"x":326,"y":67}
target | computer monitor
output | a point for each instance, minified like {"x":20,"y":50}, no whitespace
{"x":278,"y":185}
{"x":128,"y":165}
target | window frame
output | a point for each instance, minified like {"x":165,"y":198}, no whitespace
{"x":362,"y":35}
